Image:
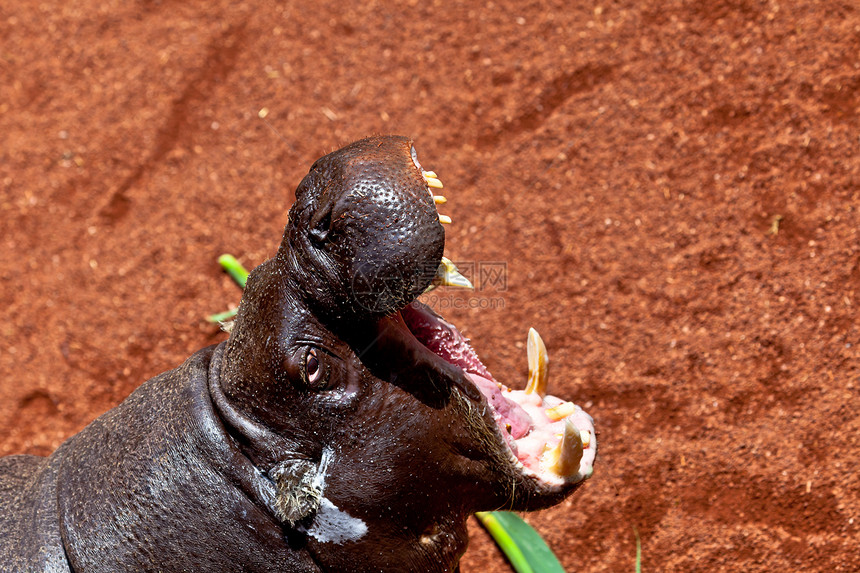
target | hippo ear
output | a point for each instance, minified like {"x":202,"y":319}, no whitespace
{"x":299,"y":492}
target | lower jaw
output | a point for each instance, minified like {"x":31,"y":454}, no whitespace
{"x":548,"y":439}
{"x":557,"y":446}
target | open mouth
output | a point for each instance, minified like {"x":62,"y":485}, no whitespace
{"x":549,"y":438}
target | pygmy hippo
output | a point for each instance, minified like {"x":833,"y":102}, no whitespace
{"x":343,"y":426}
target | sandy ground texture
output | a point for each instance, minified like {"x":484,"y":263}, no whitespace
{"x":667,"y":191}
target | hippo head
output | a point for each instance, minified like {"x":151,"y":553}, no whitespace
{"x":373,"y":418}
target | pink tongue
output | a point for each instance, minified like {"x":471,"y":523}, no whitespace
{"x":448,"y":343}
{"x":507,"y":411}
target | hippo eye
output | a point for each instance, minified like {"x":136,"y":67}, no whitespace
{"x":315,"y":369}
{"x":312,"y":366}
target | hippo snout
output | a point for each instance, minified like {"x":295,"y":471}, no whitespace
{"x":364,"y":232}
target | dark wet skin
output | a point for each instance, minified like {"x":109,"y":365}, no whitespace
{"x":322,"y":436}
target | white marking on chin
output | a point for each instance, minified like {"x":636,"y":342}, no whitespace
{"x":331,"y":525}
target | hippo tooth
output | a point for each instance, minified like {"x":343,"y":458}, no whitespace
{"x":585,"y":438}
{"x":538,"y":360}
{"x":439,"y":199}
{"x":445,"y":219}
{"x":563,"y":410}
{"x":433,"y":182}
{"x":431,"y":174}
{"x":448,"y":275}
{"x":564,"y":458}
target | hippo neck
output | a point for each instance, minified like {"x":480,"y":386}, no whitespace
{"x":167,"y":489}
{"x":242,"y":439}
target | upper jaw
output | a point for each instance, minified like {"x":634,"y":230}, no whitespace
{"x":548,"y":441}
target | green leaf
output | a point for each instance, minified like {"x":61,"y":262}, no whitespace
{"x":523,"y":546}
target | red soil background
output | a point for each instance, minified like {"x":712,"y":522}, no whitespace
{"x":673,"y":187}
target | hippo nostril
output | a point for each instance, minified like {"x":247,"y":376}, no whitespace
{"x":319,"y":223}
{"x":320,"y":228}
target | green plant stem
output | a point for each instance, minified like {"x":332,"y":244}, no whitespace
{"x":222,"y":316}
{"x":638,"y":551}
{"x":238,"y":273}
{"x":234,"y":268}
